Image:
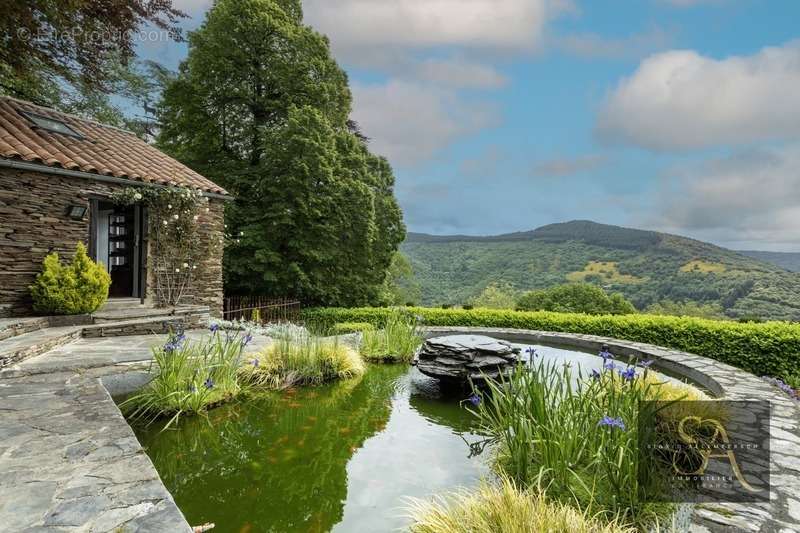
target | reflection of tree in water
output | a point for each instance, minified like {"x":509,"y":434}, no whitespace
{"x":275,"y":464}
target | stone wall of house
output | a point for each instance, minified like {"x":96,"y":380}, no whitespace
{"x":34,"y":222}
{"x":207,"y":284}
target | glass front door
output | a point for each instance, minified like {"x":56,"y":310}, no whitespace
{"x":117,"y":244}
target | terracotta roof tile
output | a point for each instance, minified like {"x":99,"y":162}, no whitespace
{"x":103,"y":150}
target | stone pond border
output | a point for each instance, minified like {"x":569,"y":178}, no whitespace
{"x":782,"y":513}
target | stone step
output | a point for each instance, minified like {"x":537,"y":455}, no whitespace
{"x":11,"y":327}
{"x":141,"y":326}
{"x":143,"y":313}
{"x":122,"y":304}
{"x":101,"y":317}
{"x":15,"y":349}
{"x":188,"y":317}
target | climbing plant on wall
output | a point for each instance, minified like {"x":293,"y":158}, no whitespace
{"x":173,"y":219}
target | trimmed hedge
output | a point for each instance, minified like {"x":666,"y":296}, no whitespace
{"x":770,"y":348}
{"x":344,"y":328}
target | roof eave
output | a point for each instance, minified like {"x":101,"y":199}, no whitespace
{"x":37,"y":167}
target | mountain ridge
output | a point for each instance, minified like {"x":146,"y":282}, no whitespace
{"x":646,"y":266}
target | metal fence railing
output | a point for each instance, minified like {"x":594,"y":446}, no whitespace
{"x":261,"y":309}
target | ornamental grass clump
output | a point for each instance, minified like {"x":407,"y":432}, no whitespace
{"x":503,"y":507}
{"x":585,"y":441}
{"x":191,"y":377}
{"x":292,"y":362}
{"x":397,"y":341}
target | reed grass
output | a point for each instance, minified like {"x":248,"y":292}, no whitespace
{"x":190,"y":377}
{"x":396,"y":342}
{"x":502,"y":508}
{"x":584,"y":441}
{"x":289,"y":362}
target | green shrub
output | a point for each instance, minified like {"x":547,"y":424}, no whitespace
{"x":192,"y":377}
{"x":396,"y":341}
{"x":302,"y":361}
{"x":770,"y":348}
{"x":343,"y":328}
{"x":575,"y":298}
{"x":501,"y":508}
{"x":73,"y":289}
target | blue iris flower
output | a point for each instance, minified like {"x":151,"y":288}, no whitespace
{"x":214,"y":328}
{"x":247,"y":339}
{"x":531,"y":351}
{"x":475,"y":400}
{"x":612,"y":422}
{"x":255,"y":362}
{"x":646,"y":364}
{"x":628,"y":374}
{"x":209,"y":383}
{"x":605,"y":354}
{"x":609,"y":365}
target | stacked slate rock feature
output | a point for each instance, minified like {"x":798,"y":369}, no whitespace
{"x":459,"y":359}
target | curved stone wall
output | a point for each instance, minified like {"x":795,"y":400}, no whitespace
{"x":782,"y":513}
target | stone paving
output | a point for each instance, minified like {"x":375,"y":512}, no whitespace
{"x":782,"y":513}
{"x":68,"y":458}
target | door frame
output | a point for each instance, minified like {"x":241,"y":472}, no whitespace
{"x":139,"y":242}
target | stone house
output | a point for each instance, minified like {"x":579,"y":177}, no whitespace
{"x":57,"y":174}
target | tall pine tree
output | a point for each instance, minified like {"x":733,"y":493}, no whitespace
{"x":261,"y":107}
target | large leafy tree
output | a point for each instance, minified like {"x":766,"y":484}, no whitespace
{"x":73,"y":54}
{"x":260,"y":106}
{"x":51,"y":49}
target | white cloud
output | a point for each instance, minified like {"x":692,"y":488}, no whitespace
{"x":682,"y":100}
{"x":747,"y":200}
{"x":431,"y":23}
{"x":409,"y":122}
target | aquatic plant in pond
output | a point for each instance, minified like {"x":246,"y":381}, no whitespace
{"x":502,"y":507}
{"x":191,"y":376}
{"x":302,"y":361}
{"x":397,"y":341}
{"x":582,"y":441}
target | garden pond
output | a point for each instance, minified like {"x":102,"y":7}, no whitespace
{"x":340,"y":457}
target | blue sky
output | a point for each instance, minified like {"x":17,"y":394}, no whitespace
{"x":504,"y":115}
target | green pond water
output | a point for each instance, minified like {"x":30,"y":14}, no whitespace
{"x":340,"y":457}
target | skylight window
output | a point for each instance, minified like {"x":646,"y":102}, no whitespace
{"x":51,"y":124}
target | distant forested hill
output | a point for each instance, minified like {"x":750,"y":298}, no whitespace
{"x":786,"y":260}
{"x":646,"y":266}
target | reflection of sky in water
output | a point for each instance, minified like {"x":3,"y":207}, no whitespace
{"x":412,"y":456}
{"x":420,"y":453}
{"x":582,"y":363}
